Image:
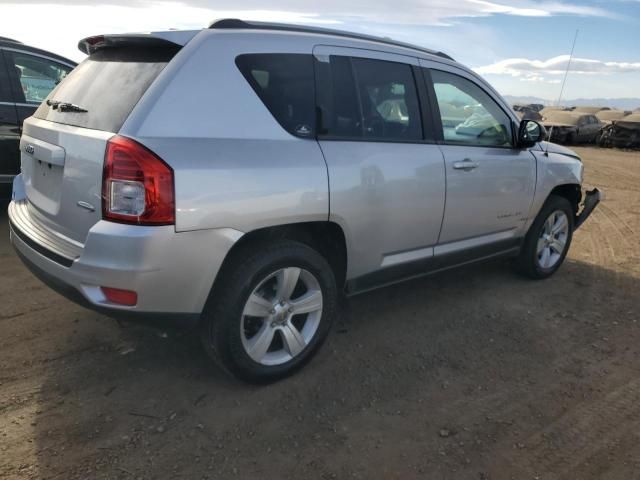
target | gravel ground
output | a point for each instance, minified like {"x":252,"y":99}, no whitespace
{"x":471,"y":374}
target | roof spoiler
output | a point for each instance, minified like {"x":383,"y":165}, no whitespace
{"x":172,"y":38}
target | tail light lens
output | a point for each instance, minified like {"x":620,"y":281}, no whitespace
{"x":137,"y":186}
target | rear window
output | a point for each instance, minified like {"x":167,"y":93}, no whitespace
{"x":108,"y":84}
{"x":284,"y":83}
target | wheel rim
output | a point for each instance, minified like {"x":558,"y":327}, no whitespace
{"x":553,"y":239}
{"x":281,"y":316}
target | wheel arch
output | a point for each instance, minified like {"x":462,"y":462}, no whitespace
{"x":570,"y":191}
{"x":326,"y":237}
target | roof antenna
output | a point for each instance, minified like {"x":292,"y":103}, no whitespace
{"x":564,"y":81}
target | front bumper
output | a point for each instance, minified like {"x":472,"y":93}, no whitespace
{"x":171,"y":272}
{"x":591,"y":200}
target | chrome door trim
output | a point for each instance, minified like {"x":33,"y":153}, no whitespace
{"x":473,"y":242}
{"x":323,"y":50}
{"x":20,"y":104}
{"x":407,"y":256}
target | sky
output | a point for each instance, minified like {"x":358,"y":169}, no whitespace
{"x":521,"y":46}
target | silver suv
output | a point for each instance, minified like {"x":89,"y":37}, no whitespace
{"x":239,"y":178}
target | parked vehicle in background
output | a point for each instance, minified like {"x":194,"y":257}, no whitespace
{"x":607,"y":116}
{"x":569,"y":127}
{"x":527,"y":112}
{"x":546,"y":110}
{"x":239,"y":178}
{"x":624,"y":133}
{"x":589,"y":109}
{"x":27,"y":76}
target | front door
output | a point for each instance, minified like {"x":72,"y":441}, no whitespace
{"x":490,"y":184}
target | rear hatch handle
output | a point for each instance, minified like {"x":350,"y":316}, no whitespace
{"x":42,"y":151}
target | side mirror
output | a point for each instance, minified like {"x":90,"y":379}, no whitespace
{"x":530,"y":132}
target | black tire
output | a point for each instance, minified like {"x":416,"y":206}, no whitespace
{"x":221,"y":323}
{"x":570,"y":139}
{"x":527,"y":261}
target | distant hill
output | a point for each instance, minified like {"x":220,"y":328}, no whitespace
{"x":621,"y":103}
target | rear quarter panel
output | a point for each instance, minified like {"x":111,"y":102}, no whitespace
{"x":234,"y":165}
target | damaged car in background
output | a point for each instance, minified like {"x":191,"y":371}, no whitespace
{"x":569,"y":128}
{"x":608,"y":116}
{"x":623,"y":133}
{"x":528,"y":112}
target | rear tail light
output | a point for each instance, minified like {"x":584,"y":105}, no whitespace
{"x":121,"y":297}
{"x":137,"y":186}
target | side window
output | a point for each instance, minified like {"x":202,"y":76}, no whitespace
{"x":36,"y":76}
{"x":284,"y":83}
{"x":368,"y":99}
{"x":469,"y":115}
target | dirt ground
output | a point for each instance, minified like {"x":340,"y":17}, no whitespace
{"x":472,"y":374}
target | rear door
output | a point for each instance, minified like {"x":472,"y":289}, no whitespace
{"x":386,"y":173}
{"x":9,"y":132}
{"x":62,"y":151}
{"x":490,"y":183}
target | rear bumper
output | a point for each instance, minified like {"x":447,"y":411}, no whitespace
{"x":172,"y":273}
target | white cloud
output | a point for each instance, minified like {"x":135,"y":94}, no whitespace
{"x":59,"y":26}
{"x":532,"y":69}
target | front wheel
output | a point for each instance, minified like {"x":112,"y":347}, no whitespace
{"x":271,"y":313}
{"x":547,"y":242}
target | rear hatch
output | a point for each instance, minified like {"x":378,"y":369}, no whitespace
{"x":63,"y":144}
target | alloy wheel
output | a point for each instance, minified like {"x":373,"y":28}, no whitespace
{"x":553,"y":239}
{"x":281,"y":316}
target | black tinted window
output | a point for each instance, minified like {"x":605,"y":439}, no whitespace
{"x":284,"y":83}
{"x":108,"y":84}
{"x":389,"y":100}
{"x":338,"y":106}
{"x":370,"y":99}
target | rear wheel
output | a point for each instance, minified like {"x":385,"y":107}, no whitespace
{"x":272,"y":312}
{"x":548,"y":240}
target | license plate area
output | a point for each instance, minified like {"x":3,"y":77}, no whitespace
{"x":43,"y":183}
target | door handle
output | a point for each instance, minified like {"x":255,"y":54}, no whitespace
{"x":466,"y":165}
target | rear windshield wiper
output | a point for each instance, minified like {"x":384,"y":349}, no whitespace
{"x":65,"y":106}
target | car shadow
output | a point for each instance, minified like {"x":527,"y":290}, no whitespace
{"x":440,"y":376}
{"x":440,"y":354}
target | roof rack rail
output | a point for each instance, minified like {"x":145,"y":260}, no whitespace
{"x":234,"y":23}
{"x":7,"y":39}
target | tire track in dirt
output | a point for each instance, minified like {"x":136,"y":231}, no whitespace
{"x":620,"y":225}
{"x":556,"y":450}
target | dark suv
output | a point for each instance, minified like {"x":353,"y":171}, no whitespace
{"x":27,"y":75}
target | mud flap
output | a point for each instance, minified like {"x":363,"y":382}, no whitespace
{"x":591,"y":201}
